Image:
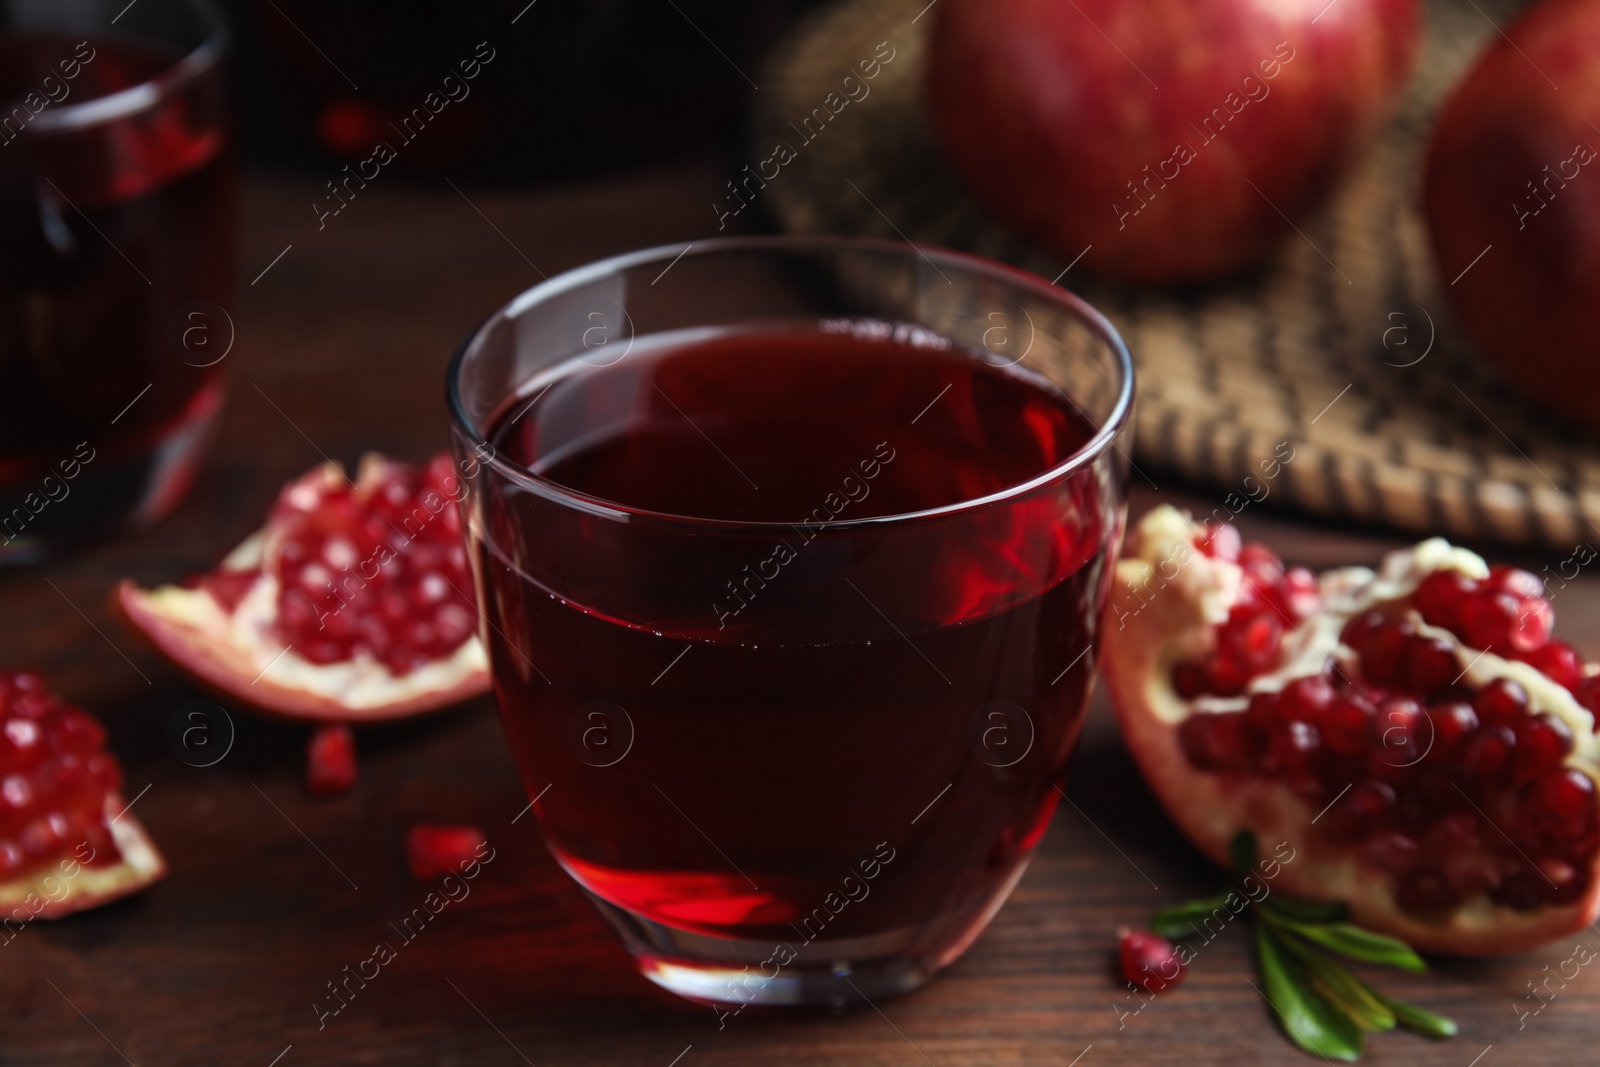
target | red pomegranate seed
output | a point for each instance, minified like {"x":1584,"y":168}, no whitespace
{"x":1361,"y":812}
{"x":1557,"y":661}
{"x":1588,"y":694}
{"x":1424,"y":890}
{"x":1452,"y":725}
{"x":1487,"y":761}
{"x":331,"y":760}
{"x":1149,"y":960}
{"x":1534,"y":622}
{"x":1402,"y":728}
{"x":1451,"y":837}
{"x":1430,"y":665}
{"x":1441,"y":595}
{"x":1307,"y":698}
{"x":435,"y":851}
{"x":1219,"y":542}
{"x":1488,"y":620}
{"x":1188,"y":680}
{"x":1501,"y":703}
{"x":1298,"y":594}
{"x":1263,"y":713}
{"x":1563,"y":883}
{"x":1543,"y":742}
{"x":1514,"y":580}
{"x":1292,"y":746}
{"x":1217,"y":741}
{"x":1226,"y":676}
{"x":1519,"y":890}
{"x":1563,"y":799}
{"x":1383,"y":657}
{"x":1347,"y":726}
{"x":1360,"y":629}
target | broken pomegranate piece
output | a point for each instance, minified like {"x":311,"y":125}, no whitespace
{"x":1415,"y":733}
{"x":352,"y":604}
{"x":435,"y":851}
{"x":66,"y":841}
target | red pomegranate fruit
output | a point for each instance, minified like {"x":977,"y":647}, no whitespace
{"x":352,"y":604}
{"x":1415,"y":734}
{"x":67,"y":841}
{"x":1512,"y":196}
{"x":1161,"y":140}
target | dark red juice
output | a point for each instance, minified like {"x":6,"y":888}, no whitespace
{"x":785,"y":724}
{"x":116,"y":268}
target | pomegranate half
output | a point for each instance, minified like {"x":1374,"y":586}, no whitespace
{"x":1414,"y":733}
{"x":352,"y":604}
{"x":67,"y":840}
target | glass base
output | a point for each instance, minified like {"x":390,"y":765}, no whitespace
{"x":836,"y":975}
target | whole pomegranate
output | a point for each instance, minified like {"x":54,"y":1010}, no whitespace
{"x":1162,"y":140}
{"x":1512,"y":194}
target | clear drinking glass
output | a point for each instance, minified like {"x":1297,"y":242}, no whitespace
{"x":117,"y":209}
{"x":791,"y":645}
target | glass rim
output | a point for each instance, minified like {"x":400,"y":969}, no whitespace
{"x":1091,"y":450}
{"x":149,"y":93}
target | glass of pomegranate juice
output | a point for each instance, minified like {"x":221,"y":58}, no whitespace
{"x":792,"y":554}
{"x":116,"y":262}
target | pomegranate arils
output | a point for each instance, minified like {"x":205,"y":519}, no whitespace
{"x":1452,"y":726}
{"x":374,"y":568}
{"x":1501,"y":702}
{"x":1564,"y":799}
{"x":1486,"y":763}
{"x":54,"y":777}
{"x":1430,"y":665}
{"x":1347,"y":725}
{"x":1217,"y":742}
{"x":1543,"y":743}
{"x":331,"y":760}
{"x":434,"y":851}
{"x":1250,"y":642}
{"x":1440,"y":597}
{"x":1149,"y":961}
{"x":1514,"y":580}
{"x":1557,"y":661}
{"x":1383,"y":655}
{"x":1360,"y":812}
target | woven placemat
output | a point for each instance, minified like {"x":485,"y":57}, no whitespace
{"x":1345,"y":347}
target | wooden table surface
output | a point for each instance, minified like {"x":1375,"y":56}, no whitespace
{"x":341,"y":348}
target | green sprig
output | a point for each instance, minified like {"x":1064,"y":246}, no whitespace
{"x":1321,"y":1005}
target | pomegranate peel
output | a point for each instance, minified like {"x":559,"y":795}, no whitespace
{"x":352,"y":604}
{"x":1435,"y":833}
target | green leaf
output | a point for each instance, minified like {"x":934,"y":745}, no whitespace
{"x":1183,"y":920}
{"x":1356,"y":943}
{"x":1307,"y":1019}
{"x":1420,"y":1020}
{"x":1361,"y":1002}
{"x":1242,"y":851}
{"x":1307,"y":911}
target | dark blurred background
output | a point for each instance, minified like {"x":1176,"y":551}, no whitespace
{"x":575,"y":87}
